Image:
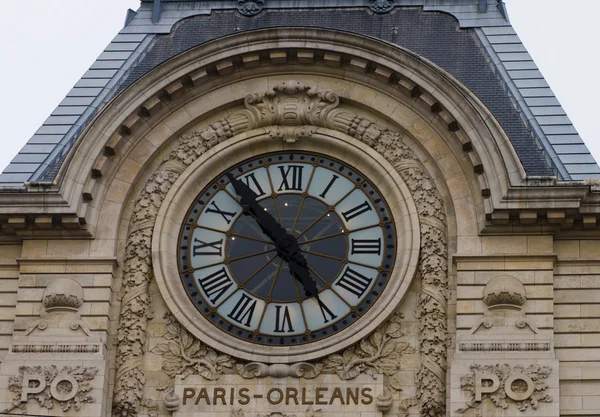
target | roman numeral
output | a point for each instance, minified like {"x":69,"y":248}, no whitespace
{"x":227,"y":215}
{"x":252,"y":177}
{"x":367,"y":246}
{"x":354,"y":282}
{"x":216,"y":284}
{"x":243,"y":310}
{"x":215,"y":247}
{"x":282,"y":320}
{"x":293,"y":181}
{"x":325,"y":311}
{"x":324,"y":193}
{"x":357,"y":211}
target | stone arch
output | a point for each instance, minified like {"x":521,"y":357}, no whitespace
{"x":164,"y":92}
{"x":269,"y":111}
{"x":434,"y":94}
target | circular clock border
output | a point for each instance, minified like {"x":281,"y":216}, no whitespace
{"x":198,"y":175}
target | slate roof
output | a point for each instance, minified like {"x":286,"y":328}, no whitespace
{"x":462,"y":36}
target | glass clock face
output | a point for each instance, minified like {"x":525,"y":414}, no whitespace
{"x":286,"y":248}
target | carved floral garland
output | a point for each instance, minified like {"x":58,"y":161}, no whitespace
{"x":185,"y":355}
{"x":312,"y":108}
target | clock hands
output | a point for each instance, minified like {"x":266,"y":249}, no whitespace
{"x":285,"y":243}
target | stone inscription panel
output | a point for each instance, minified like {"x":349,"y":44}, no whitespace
{"x":234,"y":396}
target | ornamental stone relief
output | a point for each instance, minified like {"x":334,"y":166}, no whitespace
{"x":68,"y":387}
{"x":299,"y":107}
{"x":504,"y":385}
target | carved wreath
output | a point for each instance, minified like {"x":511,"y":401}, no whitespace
{"x":314,"y":108}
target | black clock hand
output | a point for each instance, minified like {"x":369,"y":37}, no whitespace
{"x":285,"y":243}
{"x":267,"y":223}
{"x":299,"y":269}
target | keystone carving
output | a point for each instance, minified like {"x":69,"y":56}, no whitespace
{"x":504,"y":385}
{"x":290,"y":104}
{"x":70,"y":387}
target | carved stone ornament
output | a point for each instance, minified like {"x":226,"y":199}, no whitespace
{"x":250,"y":7}
{"x":504,"y":385}
{"x":70,"y":387}
{"x":504,"y":292}
{"x":298,"y":370}
{"x":184,"y":355}
{"x":289,"y":104}
{"x":381,"y":6}
{"x":63,"y":294}
{"x":310,"y":412}
{"x":378,"y":354}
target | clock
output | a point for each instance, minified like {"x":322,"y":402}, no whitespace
{"x":286,"y":249}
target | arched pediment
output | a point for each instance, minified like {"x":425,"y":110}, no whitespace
{"x":439,"y":100}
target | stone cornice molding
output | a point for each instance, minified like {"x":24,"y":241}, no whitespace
{"x":449,"y":104}
{"x":143,"y":104}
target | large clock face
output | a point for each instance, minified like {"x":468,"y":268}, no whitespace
{"x":286,"y":249}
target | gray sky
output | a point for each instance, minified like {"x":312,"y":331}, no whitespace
{"x":47,"y":45}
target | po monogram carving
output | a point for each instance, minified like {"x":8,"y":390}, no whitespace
{"x":69,"y":386}
{"x":297,"y":106}
{"x":505,"y":384}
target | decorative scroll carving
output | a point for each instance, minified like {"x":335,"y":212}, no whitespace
{"x":310,"y":412}
{"x":70,"y":387}
{"x":505,"y":384}
{"x":377,"y":354}
{"x":250,"y":7}
{"x":185,"y":355}
{"x":289,"y":104}
{"x":298,"y":370}
{"x":381,"y":6}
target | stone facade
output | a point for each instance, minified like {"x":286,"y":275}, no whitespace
{"x":492,"y":311}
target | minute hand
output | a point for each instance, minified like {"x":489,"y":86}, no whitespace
{"x":286,"y":244}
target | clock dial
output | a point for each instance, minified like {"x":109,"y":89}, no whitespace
{"x":286,"y":248}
